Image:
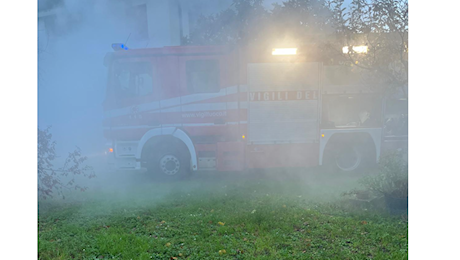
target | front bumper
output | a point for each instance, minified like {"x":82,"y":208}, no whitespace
{"x":122,"y":157}
{"x":127,"y":163}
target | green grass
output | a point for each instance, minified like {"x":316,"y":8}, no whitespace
{"x":264,"y":219}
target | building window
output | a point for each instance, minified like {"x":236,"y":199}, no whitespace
{"x":203,"y":76}
{"x":138,"y":17}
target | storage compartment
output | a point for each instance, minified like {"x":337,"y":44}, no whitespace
{"x":283,"y":103}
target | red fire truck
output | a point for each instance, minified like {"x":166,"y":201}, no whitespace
{"x":175,"y":110}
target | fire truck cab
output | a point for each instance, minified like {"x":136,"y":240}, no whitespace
{"x":173,"y":110}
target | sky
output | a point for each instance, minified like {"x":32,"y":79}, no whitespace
{"x":72,"y":78}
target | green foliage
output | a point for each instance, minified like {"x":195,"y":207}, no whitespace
{"x":247,"y":21}
{"x":392,"y":179}
{"x":243,"y":19}
{"x":325,"y":26}
{"x":383,"y":26}
{"x":53,"y":180}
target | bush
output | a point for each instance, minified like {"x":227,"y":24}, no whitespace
{"x":51,"y":180}
{"x":387,"y":189}
{"x":392,"y":179}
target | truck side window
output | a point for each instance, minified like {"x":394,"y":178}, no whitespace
{"x":351,"y":111}
{"x":133,"y":79}
{"x":203,"y":76}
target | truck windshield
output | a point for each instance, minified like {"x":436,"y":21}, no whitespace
{"x":351,"y":111}
{"x":132,"y":79}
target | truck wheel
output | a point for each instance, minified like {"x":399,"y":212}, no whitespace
{"x":169,"y":164}
{"x":348,"y":158}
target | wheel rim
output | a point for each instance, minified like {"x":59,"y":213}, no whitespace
{"x":170,"y":165}
{"x":348,"y":160}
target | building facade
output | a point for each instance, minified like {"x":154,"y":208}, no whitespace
{"x":150,"y":23}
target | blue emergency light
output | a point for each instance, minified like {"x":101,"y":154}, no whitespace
{"x":119,"y":46}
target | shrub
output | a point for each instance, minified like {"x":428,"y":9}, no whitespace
{"x":51,"y":180}
{"x":392,"y":178}
{"x":387,"y":189}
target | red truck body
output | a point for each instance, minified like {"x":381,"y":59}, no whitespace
{"x":231,"y":108}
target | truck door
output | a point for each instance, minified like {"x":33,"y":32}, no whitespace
{"x":132,"y":102}
{"x":170,"y":91}
{"x":209,"y":110}
{"x":204,"y":99}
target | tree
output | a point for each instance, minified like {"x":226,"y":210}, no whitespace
{"x":51,"y":180}
{"x":247,"y":21}
{"x":242,"y":21}
{"x":326,"y":26}
{"x":382,"y":26}
{"x":306,"y":20}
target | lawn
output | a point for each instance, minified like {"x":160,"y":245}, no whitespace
{"x":218,"y":216}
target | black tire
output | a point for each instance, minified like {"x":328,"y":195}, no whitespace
{"x":168,"y":162}
{"x":350,"y":153}
{"x":343,"y":158}
{"x":348,"y":158}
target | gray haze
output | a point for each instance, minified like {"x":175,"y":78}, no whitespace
{"x":74,"y":36}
